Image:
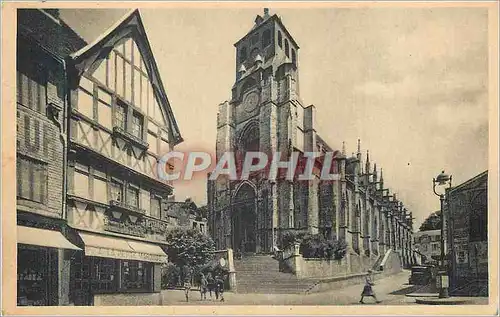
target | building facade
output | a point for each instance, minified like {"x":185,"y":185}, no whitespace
{"x":467,"y":223}
{"x":99,"y":155}
{"x":185,"y":214}
{"x":266,"y":114}
{"x":42,"y":265}
{"x":428,"y":245}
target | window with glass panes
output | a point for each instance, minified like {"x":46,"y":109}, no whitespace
{"x":121,"y":115}
{"x":116,"y":190}
{"x":137,"y":125}
{"x":31,"y":179}
{"x":31,"y":84}
{"x":133,"y":196}
{"x":155,"y":204}
{"x":122,"y":81}
{"x":136,"y":275}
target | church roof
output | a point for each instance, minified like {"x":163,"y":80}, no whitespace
{"x":265,"y":21}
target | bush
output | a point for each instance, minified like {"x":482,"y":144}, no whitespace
{"x":170,"y":276}
{"x":316,"y":246}
{"x":291,"y":237}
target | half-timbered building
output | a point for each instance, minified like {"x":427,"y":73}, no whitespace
{"x":120,"y":123}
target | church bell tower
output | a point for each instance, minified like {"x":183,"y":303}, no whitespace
{"x":265,"y":113}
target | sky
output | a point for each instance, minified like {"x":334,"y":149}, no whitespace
{"x":411,"y":83}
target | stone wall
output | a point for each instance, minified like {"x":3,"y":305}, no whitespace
{"x":293,"y":262}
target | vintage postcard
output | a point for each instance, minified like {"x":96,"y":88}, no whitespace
{"x":239,"y":158}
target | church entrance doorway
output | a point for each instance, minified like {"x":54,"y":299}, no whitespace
{"x":243,"y":220}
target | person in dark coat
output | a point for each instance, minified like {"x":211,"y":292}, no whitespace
{"x":210,"y":284}
{"x":203,"y":286}
{"x":367,"y":289}
{"x":219,"y":288}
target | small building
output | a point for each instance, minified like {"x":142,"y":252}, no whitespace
{"x":428,"y":245}
{"x":185,"y":214}
{"x":467,"y":222}
{"x":43,"y":40}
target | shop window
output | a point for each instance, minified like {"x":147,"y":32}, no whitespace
{"x":32,"y":277}
{"x":136,"y":275}
{"x":31,"y":85}
{"x":155,"y":205}
{"x":32,"y":179}
{"x":280,"y":39}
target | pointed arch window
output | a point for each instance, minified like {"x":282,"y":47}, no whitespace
{"x":243,"y":54}
{"x":287,"y":48}
{"x":280,"y":40}
{"x":294,"y":57}
{"x":266,"y":38}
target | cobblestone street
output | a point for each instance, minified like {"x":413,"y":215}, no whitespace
{"x":391,"y":290}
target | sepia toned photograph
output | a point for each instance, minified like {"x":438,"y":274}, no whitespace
{"x":210,"y":156}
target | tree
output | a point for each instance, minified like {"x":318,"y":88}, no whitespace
{"x":189,"y":248}
{"x":433,"y":222}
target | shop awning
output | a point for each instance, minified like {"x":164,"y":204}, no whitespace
{"x":43,"y":238}
{"x":120,"y":248}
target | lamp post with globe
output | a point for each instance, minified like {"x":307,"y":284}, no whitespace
{"x":442,"y":280}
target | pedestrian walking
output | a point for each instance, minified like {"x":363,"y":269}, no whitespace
{"x":203,"y":286}
{"x":368,"y":289}
{"x":210,"y":283}
{"x":187,"y":287}
{"x":219,"y":288}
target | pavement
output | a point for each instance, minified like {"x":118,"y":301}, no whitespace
{"x":390,"y":290}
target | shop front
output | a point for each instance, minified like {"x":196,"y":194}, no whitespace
{"x":39,"y":278}
{"x":116,"y":271}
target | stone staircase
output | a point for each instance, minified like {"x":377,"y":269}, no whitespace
{"x":260,"y":274}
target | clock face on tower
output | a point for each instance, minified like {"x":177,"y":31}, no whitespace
{"x":250,"y":101}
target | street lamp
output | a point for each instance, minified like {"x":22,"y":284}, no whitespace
{"x":442,"y":277}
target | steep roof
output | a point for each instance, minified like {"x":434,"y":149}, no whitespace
{"x":50,"y":32}
{"x":129,"y":26}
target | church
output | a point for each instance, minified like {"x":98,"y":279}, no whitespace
{"x":266,"y":114}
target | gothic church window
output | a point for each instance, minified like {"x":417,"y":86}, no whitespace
{"x":287,"y":48}
{"x":266,"y":38}
{"x":280,"y":40}
{"x":294,"y":57}
{"x":243,"y":54}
